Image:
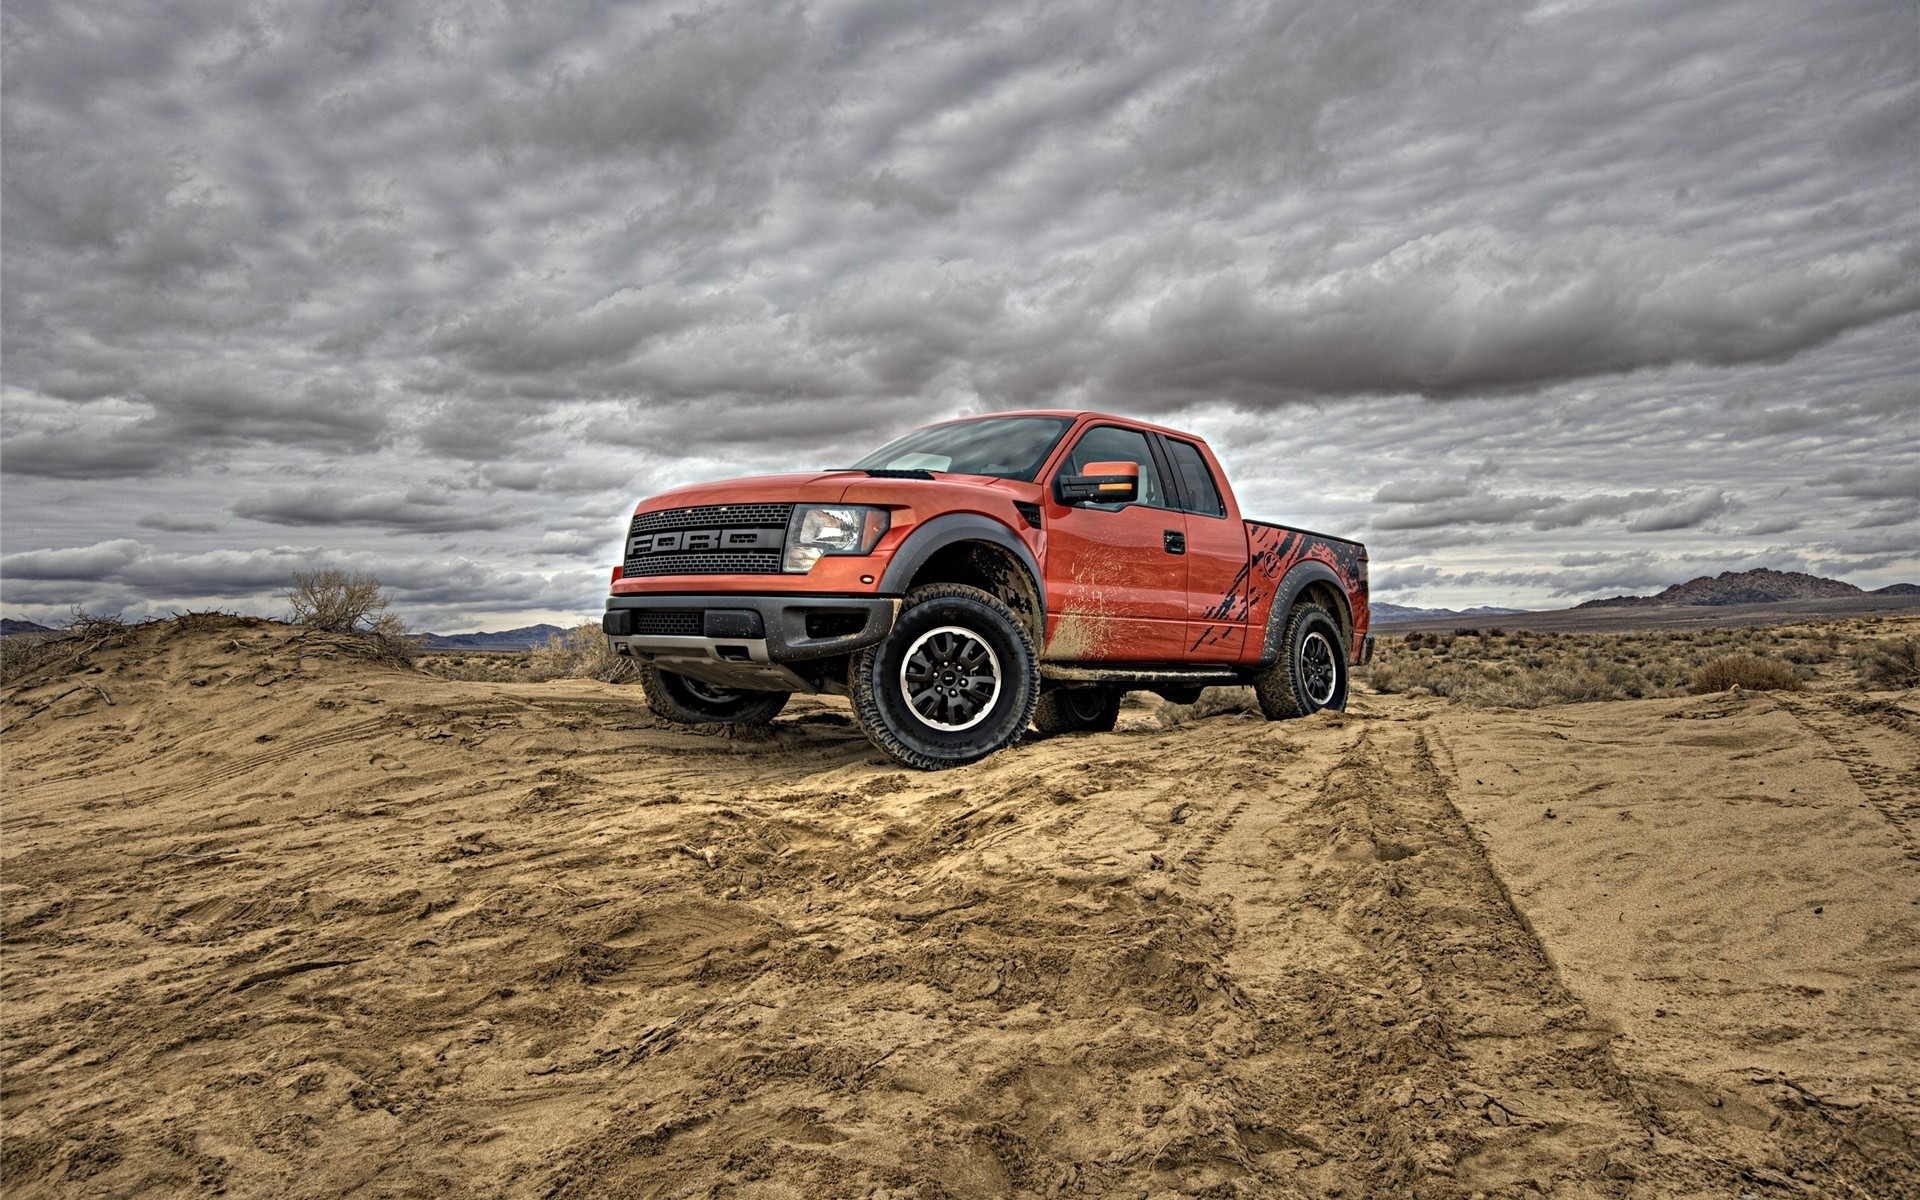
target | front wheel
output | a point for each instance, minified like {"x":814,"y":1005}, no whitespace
{"x":955,"y":679}
{"x":692,"y":702}
{"x":1311,"y":673}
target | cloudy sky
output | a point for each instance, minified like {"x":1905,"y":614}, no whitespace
{"x":1544,"y":301}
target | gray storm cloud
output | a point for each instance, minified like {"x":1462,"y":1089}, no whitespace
{"x":466,"y":280}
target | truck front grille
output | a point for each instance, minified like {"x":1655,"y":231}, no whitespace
{"x":711,"y":516}
{"x":751,"y":562}
{"x":682,"y":622}
{"x":710,"y":539}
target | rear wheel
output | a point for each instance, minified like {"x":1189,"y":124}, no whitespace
{"x":955,"y":679}
{"x":1311,"y":673}
{"x":1077,"y":710}
{"x":692,"y":702}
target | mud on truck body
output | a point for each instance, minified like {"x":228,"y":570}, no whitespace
{"x":980,"y":575}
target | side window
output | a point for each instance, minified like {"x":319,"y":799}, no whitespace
{"x":1195,"y":480}
{"x":1105,"y":443}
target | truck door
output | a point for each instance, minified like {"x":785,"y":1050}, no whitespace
{"x":1216,"y":559}
{"x":1116,"y":574}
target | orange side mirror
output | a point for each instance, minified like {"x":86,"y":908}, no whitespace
{"x":1100,"y":483}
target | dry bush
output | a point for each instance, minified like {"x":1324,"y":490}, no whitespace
{"x":62,"y":650}
{"x":96,"y":627}
{"x":1523,"y":668}
{"x":1748,"y":671}
{"x":332,"y":601}
{"x":494,"y":666}
{"x":582,"y":652}
{"x":1890,"y":663}
{"x":1498,"y":685}
{"x":22,"y":652}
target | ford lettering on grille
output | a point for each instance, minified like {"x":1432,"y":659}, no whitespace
{"x":691,"y":541}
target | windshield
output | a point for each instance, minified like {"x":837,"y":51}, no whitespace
{"x":1004,"y":447}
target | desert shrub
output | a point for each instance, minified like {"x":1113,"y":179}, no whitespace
{"x":582,"y":652}
{"x":492,"y":667}
{"x":332,"y":601}
{"x":1890,"y":663}
{"x":1748,"y":671}
{"x":94,"y":627}
{"x":1385,"y":677}
{"x":1526,"y":669}
{"x":22,"y":652}
{"x":63,"y":649}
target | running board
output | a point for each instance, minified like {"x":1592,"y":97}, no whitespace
{"x":1143,"y":677}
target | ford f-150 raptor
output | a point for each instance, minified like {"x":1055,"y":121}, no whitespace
{"x":979,"y":575}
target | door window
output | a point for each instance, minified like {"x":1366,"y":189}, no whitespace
{"x":1107,"y":443}
{"x":1196,"y":482}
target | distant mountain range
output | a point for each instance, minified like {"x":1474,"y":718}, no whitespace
{"x":1759,"y":586}
{"x":524,"y":638}
{"x":9,"y":627}
{"x":1387,"y":614}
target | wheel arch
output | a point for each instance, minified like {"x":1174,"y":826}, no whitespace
{"x":1314,"y":581}
{"x":977,"y":550}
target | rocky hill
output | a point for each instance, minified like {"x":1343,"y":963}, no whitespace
{"x":524,"y":638}
{"x":1758,"y":586}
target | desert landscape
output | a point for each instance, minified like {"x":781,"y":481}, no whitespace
{"x":284,"y":918}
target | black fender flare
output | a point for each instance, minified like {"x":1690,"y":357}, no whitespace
{"x":1295,"y":582}
{"x":943,"y":531}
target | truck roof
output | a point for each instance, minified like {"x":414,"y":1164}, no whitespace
{"x":1077,"y":413}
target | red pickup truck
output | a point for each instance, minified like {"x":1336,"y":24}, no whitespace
{"x":978,"y":575}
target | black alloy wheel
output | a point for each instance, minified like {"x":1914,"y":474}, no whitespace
{"x":950,"y":678}
{"x":1319,"y":668}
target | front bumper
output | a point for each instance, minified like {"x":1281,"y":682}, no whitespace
{"x":748,"y":643}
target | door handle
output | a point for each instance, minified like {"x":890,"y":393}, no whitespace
{"x":1175,"y":541}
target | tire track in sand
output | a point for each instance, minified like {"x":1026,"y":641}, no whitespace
{"x":1885,"y":764}
{"x":1405,"y":1022}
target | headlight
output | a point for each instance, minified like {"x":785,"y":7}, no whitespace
{"x":820,"y":529}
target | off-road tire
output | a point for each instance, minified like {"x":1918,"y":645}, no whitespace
{"x":1311,"y":672}
{"x":690,"y":702}
{"x":944,"y":627}
{"x":1077,"y":710}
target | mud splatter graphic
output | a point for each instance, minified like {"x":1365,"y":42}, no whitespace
{"x":1272,"y":551}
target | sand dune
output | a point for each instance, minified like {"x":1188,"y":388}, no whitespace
{"x":281,"y":921}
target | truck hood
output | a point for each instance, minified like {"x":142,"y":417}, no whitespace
{"x":824,"y":486}
{"x":827,"y":487}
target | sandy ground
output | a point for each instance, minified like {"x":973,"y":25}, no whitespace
{"x":282,"y":922}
